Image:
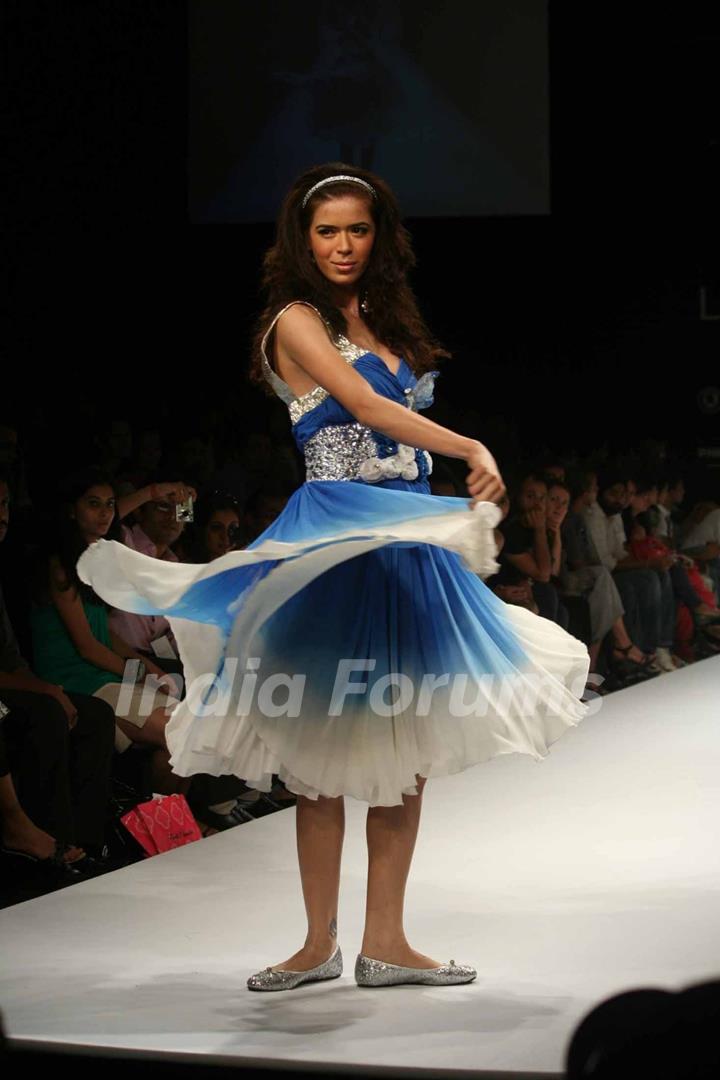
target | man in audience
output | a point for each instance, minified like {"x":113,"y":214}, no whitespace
{"x":155,"y":530}
{"x":636,"y":579}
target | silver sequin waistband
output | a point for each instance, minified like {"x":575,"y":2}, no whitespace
{"x":350,"y":452}
{"x":336,"y":452}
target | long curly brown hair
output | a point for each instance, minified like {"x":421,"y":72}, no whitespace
{"x":289,"y":272}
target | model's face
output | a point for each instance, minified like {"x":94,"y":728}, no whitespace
{"x":220,"y":532}
{"x":341,"y":237}
{"x":533,"y":495}
{"x":94,"y":512}
{"x":4,"y":509}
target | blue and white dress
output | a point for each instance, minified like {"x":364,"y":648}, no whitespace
{"x":353,"y":644}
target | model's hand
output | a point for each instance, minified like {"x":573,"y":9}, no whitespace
{"x":484,"y":482}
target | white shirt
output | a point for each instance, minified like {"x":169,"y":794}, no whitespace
{"x":607,"y":533}
{"x":708,"y":531}
{"x":665,"y":524}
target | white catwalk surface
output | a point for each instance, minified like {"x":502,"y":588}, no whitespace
{"x":564,"y":881}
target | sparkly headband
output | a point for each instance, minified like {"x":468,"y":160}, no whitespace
{"x":335,"y":180}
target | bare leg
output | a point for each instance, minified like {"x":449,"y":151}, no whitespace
{"x":622,"y":640}
{"x":164,"y":781}
{"x":593,"y":652}
{"x":20,"y":833}
{"x":320,"y":827}
{"x":391,"y":835}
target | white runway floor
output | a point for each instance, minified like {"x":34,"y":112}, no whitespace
{"x":563,"y":882}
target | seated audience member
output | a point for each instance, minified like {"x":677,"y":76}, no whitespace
{"x":697,"y":614}
{"x":215,"y":531}
{"x":212,"y":799}
{"x":59,"y":742}
{"x":583,"y":574}
{"x":19,"y":834}
{"x":636,"y":579}
{"x":671,"y":492}
{"x":509,"y":584}
{"x":154,"y":531}
{"x":533,"y":548}
{"x":701,"y":540}
{"x":557,"y":506}
{"x":73,"y":643}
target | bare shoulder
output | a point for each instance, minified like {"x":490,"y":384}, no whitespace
{"x":57,"y":574}
{"x":300,"y":320}
{"x":307,"y":357}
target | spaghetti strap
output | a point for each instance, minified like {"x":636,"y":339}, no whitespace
{"x":280,"y":387}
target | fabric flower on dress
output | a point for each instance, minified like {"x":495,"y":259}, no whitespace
{"x":421,"y":396}
{"x":401,"y":464}
{"x":404,"y":462}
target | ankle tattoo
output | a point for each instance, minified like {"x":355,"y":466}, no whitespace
{"x":333,"y":928}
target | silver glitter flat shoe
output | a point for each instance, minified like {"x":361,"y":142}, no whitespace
{"x":370,"y":972}
{"x":267,"y":979}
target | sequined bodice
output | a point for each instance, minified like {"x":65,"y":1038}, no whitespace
{"x":335,"y":445}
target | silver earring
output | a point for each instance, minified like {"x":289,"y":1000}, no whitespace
{"x":364,"y":306}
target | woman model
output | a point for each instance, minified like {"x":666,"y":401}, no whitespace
{"x":353,"y":647}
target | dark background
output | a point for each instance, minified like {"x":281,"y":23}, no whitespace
{"x":446,"y":100}
{"x":573,"y":330}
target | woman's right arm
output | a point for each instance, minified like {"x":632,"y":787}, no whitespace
{"x":302,"y":336}
{"x":71,"y":611}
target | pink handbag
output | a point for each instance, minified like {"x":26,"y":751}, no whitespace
{"x":162,"y":824}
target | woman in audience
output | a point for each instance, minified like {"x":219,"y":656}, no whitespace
{"x":534,"y":547}
{"x":73,"y":643}
{"x":215,"y":531}
{"x":510,"y":584}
